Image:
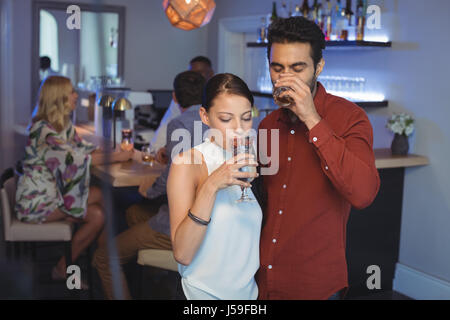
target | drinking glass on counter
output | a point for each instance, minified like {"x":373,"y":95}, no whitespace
{"x":127,"y":143}
{"x":148,"y":155}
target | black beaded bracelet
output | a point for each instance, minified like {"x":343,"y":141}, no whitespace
{"x":197,"y":219}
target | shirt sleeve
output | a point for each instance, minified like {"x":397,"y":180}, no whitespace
{"x":348,"y":160}
{"x":159,"y":186}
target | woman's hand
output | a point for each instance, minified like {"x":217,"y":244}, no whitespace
{"x":228,"y":173}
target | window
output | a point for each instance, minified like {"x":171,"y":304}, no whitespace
{"x":49,"y":38}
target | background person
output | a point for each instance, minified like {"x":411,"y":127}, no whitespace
{"x":198,"y":64}
{"x":56,"y":171}
{"x":147,"y":230}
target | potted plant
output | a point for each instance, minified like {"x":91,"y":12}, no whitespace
{"x":402,"y":125}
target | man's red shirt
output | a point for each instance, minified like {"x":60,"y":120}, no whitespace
{"x":323,"y":172}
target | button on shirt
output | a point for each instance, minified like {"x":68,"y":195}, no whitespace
{"x":322,"y":173}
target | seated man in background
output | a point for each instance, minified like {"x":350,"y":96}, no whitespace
{"x":198,"y":64}
{"x":149,"y":231}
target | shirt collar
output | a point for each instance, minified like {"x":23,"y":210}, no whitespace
{"x":319,"y":102}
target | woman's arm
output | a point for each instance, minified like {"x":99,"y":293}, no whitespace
{"x":190,"y":188}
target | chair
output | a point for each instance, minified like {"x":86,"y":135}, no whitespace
{"x":17,"y":232}
{"x":162,"y":259}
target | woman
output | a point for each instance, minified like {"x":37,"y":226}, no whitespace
{"x":216,"y":240}
{"x":55,"y":183}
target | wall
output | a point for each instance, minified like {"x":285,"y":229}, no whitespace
{"x":154,"y":53}
{"x":413,"y":74}
{"x":69,"y":42}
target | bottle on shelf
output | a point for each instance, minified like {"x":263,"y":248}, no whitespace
{"x":274,"y":15}
{"x":361,"y":10}
{"x":327,"y":18}
{"x":348,"y":12}
{"x":335,"y":20}
{"x":348,"y":26}
{"x":262,"y":31}
{"x":314,"y":11}
{"x":284,"y":10}
{"x":297,"y":12}
{"x":305,"y":9}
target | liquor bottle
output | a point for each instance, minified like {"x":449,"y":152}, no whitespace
{"x":305,"y":9}
{"x":361,"y":9}
{"x":328,"y":20}
{"x":339,"y":20}
{"x":284,"y":10}
{"x":314,"y":11}
{"x":348,"y":12}
{"x":262,"y":31}
{"x":320,"y":20}
{"x":274,"y":15}
{"x":297,"y":12}
{"x":348,"y":26}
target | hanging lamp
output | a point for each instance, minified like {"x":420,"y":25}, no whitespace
{"x":189,"y":14}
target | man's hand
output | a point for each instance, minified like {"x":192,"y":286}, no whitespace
{"x":161,"y":156}
{"x":146,"y":184}
{"x":303,"y":105}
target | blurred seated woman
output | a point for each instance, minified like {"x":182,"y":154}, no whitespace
{"x":55,"y":181}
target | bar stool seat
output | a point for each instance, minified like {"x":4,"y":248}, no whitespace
{"x":157,"y":258}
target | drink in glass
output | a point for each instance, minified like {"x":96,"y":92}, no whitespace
{"x":245,"y":146}
{"x":148,"y":155}
{"x":127,"y":143}
{"x":284,"y":101}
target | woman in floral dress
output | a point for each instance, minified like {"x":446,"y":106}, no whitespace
{"x":55,"y":183}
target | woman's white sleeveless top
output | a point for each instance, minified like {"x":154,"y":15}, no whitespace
{"x":228,"y":258}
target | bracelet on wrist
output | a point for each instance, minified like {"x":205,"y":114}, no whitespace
{"x":197,"y":219}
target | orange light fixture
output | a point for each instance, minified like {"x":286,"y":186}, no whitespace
{"x":189,"y":14}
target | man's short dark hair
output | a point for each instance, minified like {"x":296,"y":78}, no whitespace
{"x":201,"y":59}
{"x":297,"y":29}
{"x":45,"y":63}
{"x":188,"y":87}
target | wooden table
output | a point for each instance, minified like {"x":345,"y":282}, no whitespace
{"x":125,"y":174}
{"x":128,"y":174}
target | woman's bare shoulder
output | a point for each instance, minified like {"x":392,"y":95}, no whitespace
{"x":190,"y":159}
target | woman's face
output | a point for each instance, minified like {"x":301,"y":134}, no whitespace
{"x":231,"y":115}
{"x":73,"y":96}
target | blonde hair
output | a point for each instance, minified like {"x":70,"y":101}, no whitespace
{"x":53,"y":105}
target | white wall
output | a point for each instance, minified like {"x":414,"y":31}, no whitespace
{"x":155,"y":52}
{"x":413,"y":75}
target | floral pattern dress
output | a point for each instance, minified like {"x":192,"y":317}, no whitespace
{"x":56,"y":174}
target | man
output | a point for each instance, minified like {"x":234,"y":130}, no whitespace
{"x":147,"y":231}
{"x":45,"y":68}
{"x":198,"y":64}
{"x":326,"y":166}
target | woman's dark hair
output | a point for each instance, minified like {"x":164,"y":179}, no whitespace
{"x":188,"y":87}
{"x":297,"y":29}
{"x":225,"y":83}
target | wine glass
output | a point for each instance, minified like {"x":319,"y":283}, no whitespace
{"x":245,"y":146}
